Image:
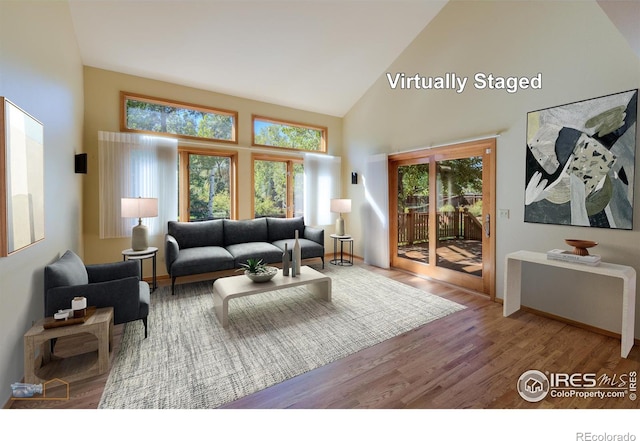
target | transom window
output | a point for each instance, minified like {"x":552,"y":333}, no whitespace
{"x":154,"y":115}
{"x":268,"y":132}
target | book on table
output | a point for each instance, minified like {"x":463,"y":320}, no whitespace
{"x":568,"y":256}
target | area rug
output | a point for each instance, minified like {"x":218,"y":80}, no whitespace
{"x":189,"y":361}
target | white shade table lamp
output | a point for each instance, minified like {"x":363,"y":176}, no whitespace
{"x":139,"y":207}
{"x":340,"y":206}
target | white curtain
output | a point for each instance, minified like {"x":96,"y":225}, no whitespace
{"x":376,"y":211}
{"x":321,"y":184}
{"x":133,"y":165}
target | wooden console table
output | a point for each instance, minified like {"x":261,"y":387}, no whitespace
{"x":513,"y":287}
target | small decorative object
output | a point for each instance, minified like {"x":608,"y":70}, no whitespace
{"x":62,"y":314}
{"x":79,"y":306}
{"x":25,"y":390}
{"x":296,"y":253}
{"x":285,"y":261}
{"x":258,"y":271}
{"x":580,"y":246}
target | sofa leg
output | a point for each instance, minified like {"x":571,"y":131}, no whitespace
{"x":144,"y":321}
{"x":322,"y":258}
{"x":173,"y":285}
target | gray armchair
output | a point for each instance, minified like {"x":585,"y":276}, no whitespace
{"x":115,"y":284}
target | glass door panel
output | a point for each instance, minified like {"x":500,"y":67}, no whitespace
{"x":459,"y":215}
{"x":413,"y":212}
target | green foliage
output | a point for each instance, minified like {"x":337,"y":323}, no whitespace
{"x":254,"y":266}
{"x":159,"y":118}
{"x":476,"y":209}
{"x":282,"y":135}
{"x":270,"y":179}
{"x":209,"y":187}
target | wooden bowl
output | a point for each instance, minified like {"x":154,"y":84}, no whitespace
{"x":580,"y":246}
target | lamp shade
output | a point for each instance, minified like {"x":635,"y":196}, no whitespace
{"x":139,"y":207}
{"x":341,"y":205}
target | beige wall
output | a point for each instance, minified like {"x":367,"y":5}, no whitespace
{"x":41,"y":72}
{"x":580,"y":54}
{"x":102,"y":98}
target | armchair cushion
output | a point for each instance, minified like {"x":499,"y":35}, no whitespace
{"x":69,"y":270}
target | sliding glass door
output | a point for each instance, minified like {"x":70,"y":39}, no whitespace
{"x":441,"y":209}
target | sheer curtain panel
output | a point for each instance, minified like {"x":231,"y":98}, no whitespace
{"x":133,"y":165}
{"x":321,"y":184}
{"x":376,"y":211}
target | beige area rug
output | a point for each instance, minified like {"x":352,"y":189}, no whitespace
{"x":189,"y":361}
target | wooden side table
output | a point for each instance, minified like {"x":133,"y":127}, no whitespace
{"x":149,"y":253}
{"x":100,"y":324}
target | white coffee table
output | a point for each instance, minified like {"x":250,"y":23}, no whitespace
{"x":228,"y":288}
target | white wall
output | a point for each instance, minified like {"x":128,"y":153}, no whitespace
{"x":40,"y":71}
{"x":580,"y":54}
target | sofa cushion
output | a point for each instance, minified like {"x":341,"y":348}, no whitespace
{"x":199,"y":260}
{"x":68,"y":270}
{"x":243,"y":231}
{"x":280,"y":229}
{"x":241,"y":252}
{"x":197,"y":234}
{"x":308,"y":248}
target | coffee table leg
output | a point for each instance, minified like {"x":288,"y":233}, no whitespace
{"x":221,"y":307}
{"x":102,"y":332}
{"x":322,"y":289}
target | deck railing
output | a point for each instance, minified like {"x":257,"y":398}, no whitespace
{"x":413,"y":227}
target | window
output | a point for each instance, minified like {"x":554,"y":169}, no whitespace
{"x":154,"y":115}
{"x":278,"y":185}
{"x":289,"y":135}
{"x":207,"y":185}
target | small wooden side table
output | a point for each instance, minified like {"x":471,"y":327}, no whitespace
{"x":100,"y":324}
{"x":149,"y":253}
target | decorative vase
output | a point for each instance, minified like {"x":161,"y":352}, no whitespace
{"x":285,"y":261}
{"x":296,"y":253}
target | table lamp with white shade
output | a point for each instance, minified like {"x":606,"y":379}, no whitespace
{"x":139,"y":207}
{"x":340,"y":206}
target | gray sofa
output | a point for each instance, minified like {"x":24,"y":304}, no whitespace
{"x":224,"y":244}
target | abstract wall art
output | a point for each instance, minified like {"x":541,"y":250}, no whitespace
{"x":580,"y":162}
{"x":21,"y":179}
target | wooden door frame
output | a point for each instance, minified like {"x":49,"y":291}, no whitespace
{"x":485,"y":148}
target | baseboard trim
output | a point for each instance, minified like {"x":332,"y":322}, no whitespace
{"x":576,"y":323}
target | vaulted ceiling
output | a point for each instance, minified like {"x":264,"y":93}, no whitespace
{"x":316,"y":55}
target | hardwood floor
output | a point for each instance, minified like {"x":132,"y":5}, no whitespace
{"x":469,"y":359}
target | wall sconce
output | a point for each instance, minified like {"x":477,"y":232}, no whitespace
{"x":354,"y":178}
{"x":81,"y":163}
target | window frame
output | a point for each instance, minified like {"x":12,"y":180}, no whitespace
{"x":124,"y":96}
{"x":184,"y":197}
{"x":322,"y":129}
{"x":289,"y":161}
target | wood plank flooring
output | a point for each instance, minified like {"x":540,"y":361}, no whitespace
{"x":469,"y":359}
